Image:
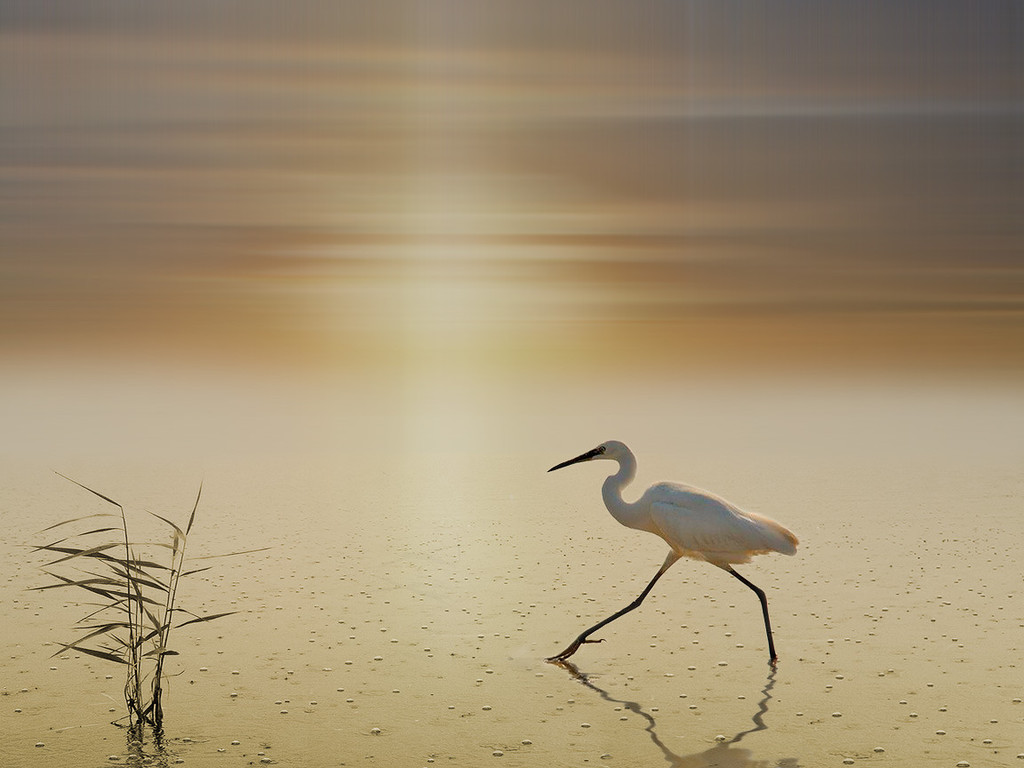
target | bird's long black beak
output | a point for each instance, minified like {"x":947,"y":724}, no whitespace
{"x":582,"y":457}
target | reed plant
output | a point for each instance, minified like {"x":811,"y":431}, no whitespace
{"x":137,"y":608}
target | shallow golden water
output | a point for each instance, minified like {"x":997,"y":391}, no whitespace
{"x":404,"y":610}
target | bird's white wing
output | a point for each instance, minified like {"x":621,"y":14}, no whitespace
{"x":698,"y":524}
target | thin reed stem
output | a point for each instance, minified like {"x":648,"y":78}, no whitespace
{"x":143,"y":591}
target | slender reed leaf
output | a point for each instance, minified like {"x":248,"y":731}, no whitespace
{"x":66,"y":582}
{"x":104,"y":630}
{"x":192,"y":517}
{"x":177,"y":529}
{"x":196,"y":570}
{"x":95,"y":493}
{"x":160,"y":652}
{"x":76,"y":519}
{"x":117,"y":605}
{"x":99,"y":530}
{"x":109,"y":656}
{"x":91,"y":552}
{"x":204,"y":618}
{"x":232,"y":554}
{"x":143,"y":580}
{"x":102,"y":556}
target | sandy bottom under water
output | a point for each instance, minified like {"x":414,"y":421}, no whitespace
{"x":405,"y":608}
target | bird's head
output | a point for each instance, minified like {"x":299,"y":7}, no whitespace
{"x":613,"y":450}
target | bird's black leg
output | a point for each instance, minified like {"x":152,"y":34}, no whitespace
{"x":575,"y":644}
{"x":774,"y":659}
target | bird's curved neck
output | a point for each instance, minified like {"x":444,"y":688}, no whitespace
{"x":627,"y":514}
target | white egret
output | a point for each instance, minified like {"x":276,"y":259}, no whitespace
{"x":692,"y":522}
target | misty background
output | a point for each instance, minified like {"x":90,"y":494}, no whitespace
{"x":391,"y":200}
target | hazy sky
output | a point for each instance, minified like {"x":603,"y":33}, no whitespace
{"x":513,"y":184}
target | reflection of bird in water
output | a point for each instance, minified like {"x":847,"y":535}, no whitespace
{"x":693,"y":523}
{"x":723,"y":755}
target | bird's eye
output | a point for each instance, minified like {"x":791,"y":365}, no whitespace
{"x":601,"y":449}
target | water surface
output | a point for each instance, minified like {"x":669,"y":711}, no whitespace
{"x":404,"y":610}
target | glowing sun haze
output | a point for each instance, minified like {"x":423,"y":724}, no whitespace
{"x":513,"y":184}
